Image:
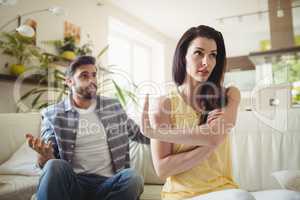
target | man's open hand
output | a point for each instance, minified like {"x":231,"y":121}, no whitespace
{"x":37,"y":144}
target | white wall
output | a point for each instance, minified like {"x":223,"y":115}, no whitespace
{"x":92,"y":19}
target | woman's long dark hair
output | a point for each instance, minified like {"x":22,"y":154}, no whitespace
{"x":211,"y":94}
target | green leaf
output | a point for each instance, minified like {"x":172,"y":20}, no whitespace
{"x":119,"y":93}
{"x":104,"y":82}
{"x":60,"y":72}
{"x":60,"y":79}
{"x":42,"y":105}
{"x":132,"y":96}
{"x":31,"y":92}
{"x":18,"y":109}
{"x":109,"y":66}
{"x":102,"y":51}
{"x":27,"y":94}
{"x":104,"y":69}
{"x":59,"y":98}
{"x":36,"y":99}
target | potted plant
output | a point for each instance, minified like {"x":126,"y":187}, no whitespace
{"x":58,"y":88}
{"x":19,"y":47}
{"x":68,"y":50}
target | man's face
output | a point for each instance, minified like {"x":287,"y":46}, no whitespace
{"x":84,"y":82}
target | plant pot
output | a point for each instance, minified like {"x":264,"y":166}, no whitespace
{"x":17,"y":69}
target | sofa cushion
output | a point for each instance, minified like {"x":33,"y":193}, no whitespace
{"x":14,"y":126}
{"x":17,"y":187}
{"x":288,"y":179}
{"x":141,"y":161}
{"x":276,"y":195}
{"x":151,"y":192}
{"x":22,"y":162}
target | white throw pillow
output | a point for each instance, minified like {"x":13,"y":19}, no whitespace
{"x":288,"y":179}
{"x":22,"y":162}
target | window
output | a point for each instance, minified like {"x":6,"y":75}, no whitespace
{"x":282,"y":69}
{"x":136,"y":58}
{"x":287,"y":70}
{"x":244,"y":79}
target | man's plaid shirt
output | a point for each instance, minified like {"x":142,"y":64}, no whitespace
{"x":60,"y":126}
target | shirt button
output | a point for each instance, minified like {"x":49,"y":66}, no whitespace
{"x":69,"y":160}
{"x":72,"y":146}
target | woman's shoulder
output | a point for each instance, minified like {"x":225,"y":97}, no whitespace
{"x":161,"y":110}
{"x":233,"y":93}
{"x":168,"y":99}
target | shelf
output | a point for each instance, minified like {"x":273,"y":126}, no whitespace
{"x":239,"y":63}
{"x":12,"y":78}
{"x":274,"y":55}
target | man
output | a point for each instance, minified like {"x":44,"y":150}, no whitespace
{"x":83,"y":149}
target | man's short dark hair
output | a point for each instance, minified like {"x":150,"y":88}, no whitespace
{"x":79,"y":61}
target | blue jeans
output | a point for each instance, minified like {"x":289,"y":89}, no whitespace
{"x":60,"y":182}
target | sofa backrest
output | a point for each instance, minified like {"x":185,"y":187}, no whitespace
{"x":257,"y":149}
{"x":13,"y":127}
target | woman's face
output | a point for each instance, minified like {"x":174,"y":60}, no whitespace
{"x":201,"y":58}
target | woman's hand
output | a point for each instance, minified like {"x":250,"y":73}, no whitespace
{"x":213,"y":115}
{"x":147,"y":130}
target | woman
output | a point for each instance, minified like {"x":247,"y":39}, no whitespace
{"x":190,"y":147}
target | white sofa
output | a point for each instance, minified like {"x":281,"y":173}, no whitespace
{"x":257,"y":151}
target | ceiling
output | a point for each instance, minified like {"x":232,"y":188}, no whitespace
{"x":173,"y":17}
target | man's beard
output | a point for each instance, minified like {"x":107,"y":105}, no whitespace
{"x":87,"y":93}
